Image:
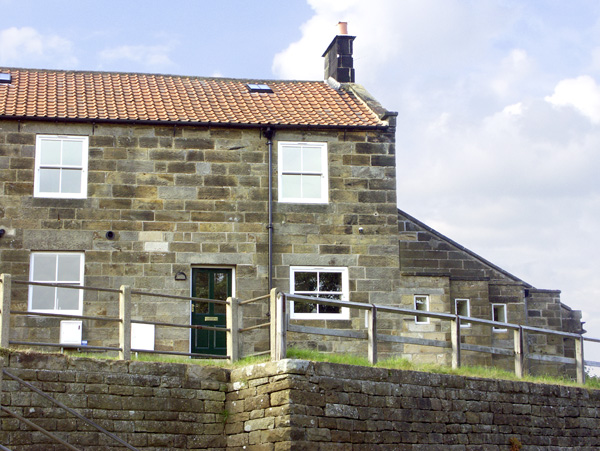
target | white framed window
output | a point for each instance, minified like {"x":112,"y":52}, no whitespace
{"x":463,"y":308}
{"x":303,"y":174}
{"x":323,"y":282}
{"x":61,"y":166}
{"x":499,"y":315}
{"x":56,"y":267}
{"x":422,"y":305}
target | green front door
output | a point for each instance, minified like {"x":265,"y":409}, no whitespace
{"x":210,"y":283}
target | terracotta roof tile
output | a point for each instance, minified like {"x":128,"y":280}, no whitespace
{"x":148,"y":97}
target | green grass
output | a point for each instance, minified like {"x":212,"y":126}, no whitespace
{"x":592,"y":382}
{"x":407,"y":365}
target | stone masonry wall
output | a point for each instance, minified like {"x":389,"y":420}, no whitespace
{"x":429,"y":260}
{"x":179,"y":197}
{"x":300,"y":405}
{"x":290,"y":405}
{"x":152,"y":406}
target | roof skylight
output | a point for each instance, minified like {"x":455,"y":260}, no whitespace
{"x":258,"y":87}
{"x":5,"y":78}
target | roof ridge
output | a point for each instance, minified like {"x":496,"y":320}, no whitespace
{"x":156,"y":74}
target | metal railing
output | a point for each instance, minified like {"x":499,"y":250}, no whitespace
{"x":281,"y":318}
{"x":124,"y":320}
{"x":279,"y":325}
{"x":63,"y":407}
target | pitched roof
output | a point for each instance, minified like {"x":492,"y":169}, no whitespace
{"x":109,"y":96}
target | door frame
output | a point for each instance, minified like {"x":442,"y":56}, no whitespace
{"x":200,"y":266}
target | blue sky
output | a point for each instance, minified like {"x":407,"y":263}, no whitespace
{"x":498,"y":101}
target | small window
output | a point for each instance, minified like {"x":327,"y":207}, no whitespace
{"x":52,"y":267}
{"x":259,"y":87}
{"x":303,"y":172}
{"x":499,"y":315}
{"x":61,"y":166}
{"x":422,"y":305}
{"x":463,"y":308}
{"x":328,"y":283}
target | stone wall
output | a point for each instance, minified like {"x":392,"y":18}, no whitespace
{"x":432,"y":264}
{"x":291,"y":405}
{"x":179,"y":197}
{"x":152,"y":406}
{"x":303,"y":405}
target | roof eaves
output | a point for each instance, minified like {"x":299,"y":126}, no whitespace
{"x":195,"y":123}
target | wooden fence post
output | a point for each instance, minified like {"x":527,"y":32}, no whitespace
{"x":125,"y":324}
{"x":372,"y":334}
{"x":519,"y":355}
{"x":278,"y":325}
{"x":579,"y":359}
{"x":273,"y":320}
{"x":5,"y":291}
{"x":233,"y":344}
{"x":455,"y":340}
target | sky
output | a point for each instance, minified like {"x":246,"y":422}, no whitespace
{"x":498,"y":101}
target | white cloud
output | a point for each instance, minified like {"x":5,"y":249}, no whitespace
{"x":151,"y":57}
{"x":26,"y":46}
{"x":493,"y":149}
{"x":581,"y":93}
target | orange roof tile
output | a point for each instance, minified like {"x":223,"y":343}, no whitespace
{"x":53,"y":94}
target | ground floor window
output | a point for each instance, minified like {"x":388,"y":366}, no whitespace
{"x":323,"y":282}
{"x":422,"y":304}
{"x":499,"y":315}
{"x":56,"y":267}
{"x":463,"y":308}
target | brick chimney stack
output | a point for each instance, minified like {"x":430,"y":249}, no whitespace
{"x":338,"y":56}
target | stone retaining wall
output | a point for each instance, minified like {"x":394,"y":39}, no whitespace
{"x":291,"y":405}
{"x":152,"y":406}
{"x":302,"y":405}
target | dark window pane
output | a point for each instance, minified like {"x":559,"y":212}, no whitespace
{"x":220,"y":290}
{"x":201,"y":284}
{"x":300,"y":307}
{"x":330,"y":281}
{"x":200,"y":307}
{"x":305,"y":281}
{"x":329,"y":309}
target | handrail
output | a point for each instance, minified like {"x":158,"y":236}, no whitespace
{"x":62,"y":315}
{"x":259,"y":298}
{"x":69,"y":410}
{"x":124,"y":320}
{"x":36,"y":427}
{"x":455,"y":331}
{"x":429,"y":314}
{"x":65,"y":285}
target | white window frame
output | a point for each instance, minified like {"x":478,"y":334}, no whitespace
{"x":82,"y":193}
{"x":344,"y":294}
{"x":463,"y":325}
{"x":72,"y":281}
{"x":323,"y":173}
{"x":419,"y":300}
{"x":500,"y":320}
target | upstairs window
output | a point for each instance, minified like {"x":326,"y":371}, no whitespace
{"x":56,"y":267}
{"x":303,"y":173}
{"x":326,"y":282}
{"x":61,"y":166}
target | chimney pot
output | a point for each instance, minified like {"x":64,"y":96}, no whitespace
{"x":342,"y":27}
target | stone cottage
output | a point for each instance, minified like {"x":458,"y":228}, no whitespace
{"x":215,"y":187}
